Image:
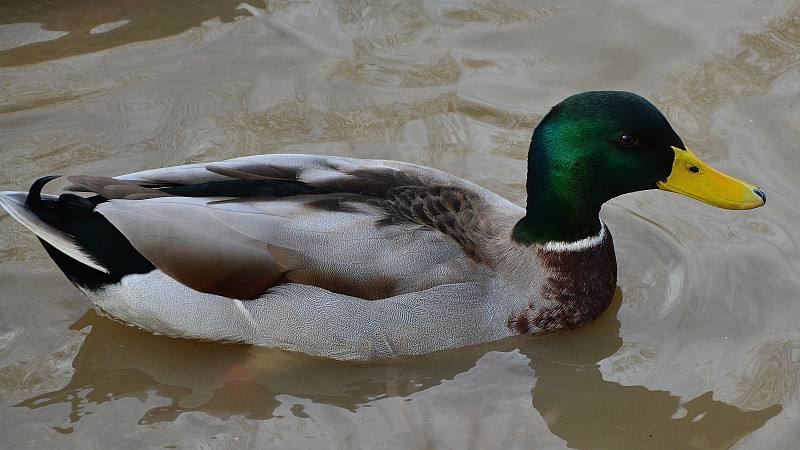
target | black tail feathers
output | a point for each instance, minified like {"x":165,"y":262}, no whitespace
{"x":91,"y":232}
{"x":34,"y":198}
{"x":53,"y":211}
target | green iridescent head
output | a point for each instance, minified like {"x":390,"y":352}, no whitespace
{"x":589,"y":149}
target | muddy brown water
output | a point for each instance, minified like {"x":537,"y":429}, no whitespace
{"x":700,"y":348}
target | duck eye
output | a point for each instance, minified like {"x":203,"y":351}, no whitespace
{"x":626,"y":140}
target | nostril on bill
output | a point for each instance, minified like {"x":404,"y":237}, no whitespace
{"x":761,"y":194}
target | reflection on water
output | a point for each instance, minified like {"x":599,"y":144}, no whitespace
{"x":565,"y":385}
{"x":584,"y":409}
{"x":83,"y":26}
{"x":703,"y":350}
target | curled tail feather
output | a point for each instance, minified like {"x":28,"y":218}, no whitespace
{"x":37,"y":212}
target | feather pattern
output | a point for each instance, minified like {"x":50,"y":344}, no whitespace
{"x":368,"y":211}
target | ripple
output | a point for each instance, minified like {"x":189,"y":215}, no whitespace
{"x":398,"y":72}
{"x":44,"y":373}
{"x":746,"y":70}
{"x":106,"y":27}
{"x":498,"y":12}
{"x":18,"y":34}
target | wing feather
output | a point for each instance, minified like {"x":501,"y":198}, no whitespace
{"x":184,"y":241}
{"x":398,"y":219}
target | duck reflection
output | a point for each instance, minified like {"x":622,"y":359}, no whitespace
{"x":589,"y":412}
{"x":566,"y":386}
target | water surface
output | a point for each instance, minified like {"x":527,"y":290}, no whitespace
{"x":700,"y":348}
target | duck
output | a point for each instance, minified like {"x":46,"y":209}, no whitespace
{"x":359,"y":259}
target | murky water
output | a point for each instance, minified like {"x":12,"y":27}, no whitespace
{"x":701,"y":347}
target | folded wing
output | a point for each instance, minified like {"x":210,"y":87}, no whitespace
{"x":357,"y":227}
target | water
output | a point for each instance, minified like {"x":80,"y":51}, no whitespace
{"x":700,"y":348}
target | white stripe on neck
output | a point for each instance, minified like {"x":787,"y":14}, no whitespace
{"x":587,"y":242}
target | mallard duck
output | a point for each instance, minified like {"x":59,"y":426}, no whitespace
{"x":362,"y":259}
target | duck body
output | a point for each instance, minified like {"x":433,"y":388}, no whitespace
{"x":348,"y":258}
{"x":351,"y":265}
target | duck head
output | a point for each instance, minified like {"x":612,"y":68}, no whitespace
{"x":597,"y":145}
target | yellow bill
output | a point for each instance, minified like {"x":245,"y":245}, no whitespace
{"x":694,"y":178}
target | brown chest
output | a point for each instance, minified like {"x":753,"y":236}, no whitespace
{"x":578,"y":285}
